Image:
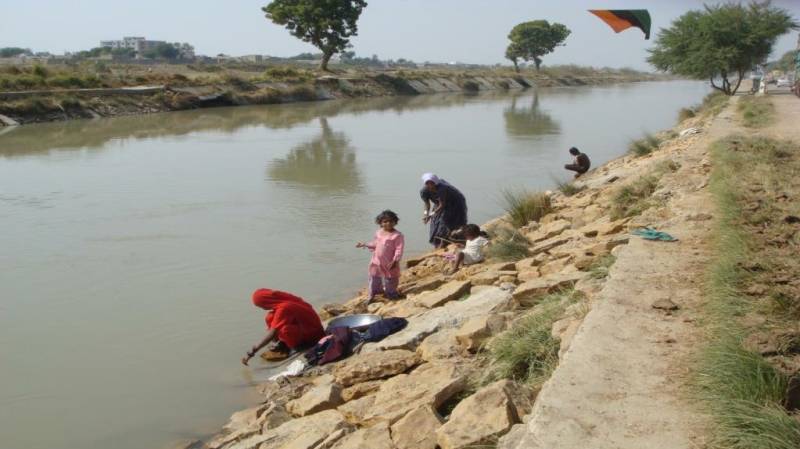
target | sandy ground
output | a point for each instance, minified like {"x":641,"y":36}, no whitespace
{"x":623,"y":381}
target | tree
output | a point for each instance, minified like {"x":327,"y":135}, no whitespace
{"x":326,"y":24}
{"x":162,"y":51}
{"x":10,"y":52}
{"x":720,"y":41}
{"x":785,"y":63}
{"x":534,"y":39}
{"x":513,"y":53}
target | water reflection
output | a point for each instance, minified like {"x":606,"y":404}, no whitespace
{"x":95,"y":134}
{"x":327,"y":162}
{"x":526,"y":122}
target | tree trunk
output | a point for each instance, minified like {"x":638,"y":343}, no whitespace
{"x":538,"y":63}
{"x":738,"y":82}
{"x":323,"y":65}
{"x":516,"y":66}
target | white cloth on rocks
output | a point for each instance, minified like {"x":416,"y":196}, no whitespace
{"x":473,"y":250}
{"x":294,"y":369}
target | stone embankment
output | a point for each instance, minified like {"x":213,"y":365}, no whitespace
{"x":67,"y":104}
{"x":424,"y":387}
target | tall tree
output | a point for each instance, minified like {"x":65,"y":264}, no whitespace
{"x":720,"y":42}
{"x":532,"y":40}
{"x":326,"y":24}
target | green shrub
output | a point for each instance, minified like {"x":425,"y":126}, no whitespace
{"x":569,"y":188}
{"x":470,"y":86}
{"x":66,"y":81}
{"x":523,"y":206}
{"x":527,"y":351}
{"x":645,"y":145}
{"x":686,"y":113}
{"x":508,"y":246}
{"x":40,"y":71}
{"x":600,"y":267}
{"x":756,"y":111}
{"x":633,"y":198}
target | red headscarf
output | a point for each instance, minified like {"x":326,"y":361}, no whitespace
{"x":294,"y":320}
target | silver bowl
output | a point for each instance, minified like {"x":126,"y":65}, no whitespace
{"x":359,"y":321}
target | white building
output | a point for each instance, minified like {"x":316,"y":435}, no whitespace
{"x":140,"y":45}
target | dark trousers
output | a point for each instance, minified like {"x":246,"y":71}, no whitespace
{"x":576,"y":168}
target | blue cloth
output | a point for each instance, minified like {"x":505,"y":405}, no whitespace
{"x":379,"y":330}
{"x":652,"y":234}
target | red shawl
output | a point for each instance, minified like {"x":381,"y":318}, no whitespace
{"x":294,"y":320}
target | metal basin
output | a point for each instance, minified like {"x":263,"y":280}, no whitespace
{"x":354,"y":321}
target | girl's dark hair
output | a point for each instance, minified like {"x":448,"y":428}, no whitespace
{"x":387,"y":214}
{"x":472,"y":229}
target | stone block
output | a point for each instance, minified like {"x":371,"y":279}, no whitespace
{"x":448,"y":292}
{"x":375,"y":365}
{"x":529,"y":292}
{"x":417,"y":429}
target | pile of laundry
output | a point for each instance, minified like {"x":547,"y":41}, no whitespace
{"x":341,"y":342}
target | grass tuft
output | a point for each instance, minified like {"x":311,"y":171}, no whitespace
{"x":508,"y":246}
{"x":634,"y":198}
{"x":600,"y":267}
{"x":523,"y":206}
{"x":527,"y":351}
{"x":569,"y":188}
{"x":742,"y":391}
{"x":686,"y":113}
{"x":756,"y":111}
{"x":645,"y":145}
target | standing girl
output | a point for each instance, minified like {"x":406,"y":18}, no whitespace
{"x":387,"y":250}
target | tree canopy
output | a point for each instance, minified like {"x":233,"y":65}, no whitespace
{"x":163,"y":50}
{"x":10,"y":52}
{"x":720,"y":42}
{"x":532,"y":40}
{"x":326,"y":24}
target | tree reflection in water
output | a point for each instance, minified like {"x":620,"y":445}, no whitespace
{"x":328,"y":162}
{"x":527,"y":122}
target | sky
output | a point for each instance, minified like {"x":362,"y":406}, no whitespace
{"x":470,"y":31}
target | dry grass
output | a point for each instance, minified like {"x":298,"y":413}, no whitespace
{"x":744,"y":391}
{"x":756,"y":112}
{"x":523,"y":206}
{"x":644,"y":146}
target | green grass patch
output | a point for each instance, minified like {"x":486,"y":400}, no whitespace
{"x":686,"y":113}
{"x":644,"y":146}
{"x":714,"y":103}
{"x":523,"y":206}
{"x":508,"y":246}
{"x":756,"y":112}
{"x":569,"y":188}
{"x":633,"y":198}
{"x":741,"y":390}
{"x":527,"y":352}
{"x":600,"y":267}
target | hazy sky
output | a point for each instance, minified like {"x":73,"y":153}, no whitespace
{"x":472,"y":31}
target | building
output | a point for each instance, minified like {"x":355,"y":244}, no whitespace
{"x":140,"y":45}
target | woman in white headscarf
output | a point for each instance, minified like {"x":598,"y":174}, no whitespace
{"x":449,"y":208}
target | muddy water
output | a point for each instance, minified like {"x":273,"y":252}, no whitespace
{"x":129,"y":247}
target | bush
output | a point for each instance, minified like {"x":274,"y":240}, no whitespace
{"x":66,"y":81}
{"x":569,"y":188}
{"x":523,"y":206}
{"x":527,"y":351}
{"x":238,"y":82}
{"x":40,"y":71}
{"x":508,"y":246}
{"x":645,"y":145}
{"x":686,"y":113}
{"x":756,"y":111}
{"x":634,"y":198}
{"x":470,"y":86}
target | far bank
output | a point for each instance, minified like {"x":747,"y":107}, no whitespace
{"x":174,"y":88}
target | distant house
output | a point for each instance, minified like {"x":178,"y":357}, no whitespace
{"x":252,"y":58}
{"x":140,"y":45}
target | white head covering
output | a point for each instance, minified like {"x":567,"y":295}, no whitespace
{"x":430,"y":177}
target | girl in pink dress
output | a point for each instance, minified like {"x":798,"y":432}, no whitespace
{"x":387,"y":250}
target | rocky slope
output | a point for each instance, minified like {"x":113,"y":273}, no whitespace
{"x":424,"y":387}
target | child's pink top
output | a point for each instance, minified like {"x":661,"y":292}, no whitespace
{"x":387,"y":248}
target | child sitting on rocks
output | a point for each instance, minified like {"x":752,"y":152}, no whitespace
{"x":472,"y":252}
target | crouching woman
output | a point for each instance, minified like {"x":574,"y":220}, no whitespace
{"x":290,"y":320}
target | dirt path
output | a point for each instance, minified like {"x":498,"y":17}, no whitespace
{"x":622,"y":382}
{"x":787,"y":110}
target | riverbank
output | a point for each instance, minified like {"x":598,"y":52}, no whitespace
{"x":174,"y":92}
{"x":472,"y":367}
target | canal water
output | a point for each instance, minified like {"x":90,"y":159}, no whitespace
{"x":129,"y":247}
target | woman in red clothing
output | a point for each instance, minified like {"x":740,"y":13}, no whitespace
{"x":290,"y":319}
